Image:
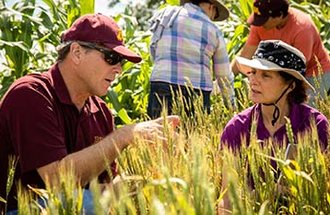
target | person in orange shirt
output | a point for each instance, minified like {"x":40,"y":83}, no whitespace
{"x":275,"y":20}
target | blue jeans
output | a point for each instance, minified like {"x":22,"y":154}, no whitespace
{"x":88,"y":205}
{"x":321,"y":84}
{"x":161,"y":94}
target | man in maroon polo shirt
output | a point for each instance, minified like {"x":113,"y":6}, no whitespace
{"x":56,"y":118}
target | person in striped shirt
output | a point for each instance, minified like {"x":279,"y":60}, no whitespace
{"x":187,"y":47}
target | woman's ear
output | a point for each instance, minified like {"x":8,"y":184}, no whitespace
{"x":293,"y":85}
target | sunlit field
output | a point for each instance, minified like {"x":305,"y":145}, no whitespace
{"x":184,"y":175}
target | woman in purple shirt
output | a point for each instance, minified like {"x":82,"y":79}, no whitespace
{"x":279,"y":89}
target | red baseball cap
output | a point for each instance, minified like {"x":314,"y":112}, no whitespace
{"x":263,"y":9}
{"x":98,"y":28}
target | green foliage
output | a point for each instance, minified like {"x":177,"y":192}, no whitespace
{"x":128,"y":94}
{"x":284,"y":197}
{"x":64,"y":198}
{"x":173,"y":2}
{"x":12,"y":163}
{"x":29,"y":36}
{"x":235,"y":31}
{"x":141,"y":10}
{"x":235,"y":28}
{"x":184,"y":176}
{"x":86,"y":6}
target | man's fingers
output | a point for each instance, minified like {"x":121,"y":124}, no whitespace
{"x":155,"y":129}
{"x":173,"y":120}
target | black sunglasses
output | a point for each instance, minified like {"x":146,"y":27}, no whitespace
{"x":111,"y":57}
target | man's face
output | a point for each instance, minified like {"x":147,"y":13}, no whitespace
{"x":99,"y":67}
{"x":272,"y":22}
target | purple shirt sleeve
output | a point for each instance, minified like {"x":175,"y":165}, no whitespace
{"x":322,"y":125}
{"x":237,"y":129}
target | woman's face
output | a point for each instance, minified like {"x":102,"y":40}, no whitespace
{"x":266,"y":86}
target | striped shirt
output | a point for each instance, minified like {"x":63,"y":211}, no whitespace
{"x":189,"y":50}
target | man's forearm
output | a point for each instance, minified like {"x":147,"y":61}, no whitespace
{"x":91,"y":161}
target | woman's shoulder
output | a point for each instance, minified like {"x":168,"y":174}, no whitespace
{"x":239,"y":124}
{"x":304,"y":111}
{"x":244,"y":116}
{"x":241,"y":121}
{"x":304,"y":116}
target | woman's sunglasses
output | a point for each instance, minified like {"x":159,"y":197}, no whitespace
{"x":111,"y":57}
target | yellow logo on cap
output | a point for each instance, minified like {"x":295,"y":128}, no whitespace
{"x":256,"y":10}
{"x":119,"y":35}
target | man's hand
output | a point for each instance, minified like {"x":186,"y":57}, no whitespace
{"x":88,"y":163}
{"x":155,"y":129}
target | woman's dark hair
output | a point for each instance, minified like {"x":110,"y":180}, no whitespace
{"x":299,"y":93}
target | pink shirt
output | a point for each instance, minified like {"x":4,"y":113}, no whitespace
{"x":299,"y":32}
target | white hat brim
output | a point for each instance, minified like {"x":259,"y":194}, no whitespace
{"x":245,"y":65}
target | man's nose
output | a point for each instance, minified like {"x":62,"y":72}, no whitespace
{"x":117,"y":69}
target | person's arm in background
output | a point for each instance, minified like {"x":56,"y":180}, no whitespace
{"x":221,"y":68}
{"x":248,"y":49}
{"x":304,"y":42}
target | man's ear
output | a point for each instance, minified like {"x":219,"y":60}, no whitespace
{"x":75,"y":52}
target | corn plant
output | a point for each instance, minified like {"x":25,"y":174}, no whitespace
{"x":29,"y":35}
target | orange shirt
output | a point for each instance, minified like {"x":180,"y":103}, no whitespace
{"x":299,"y":32}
